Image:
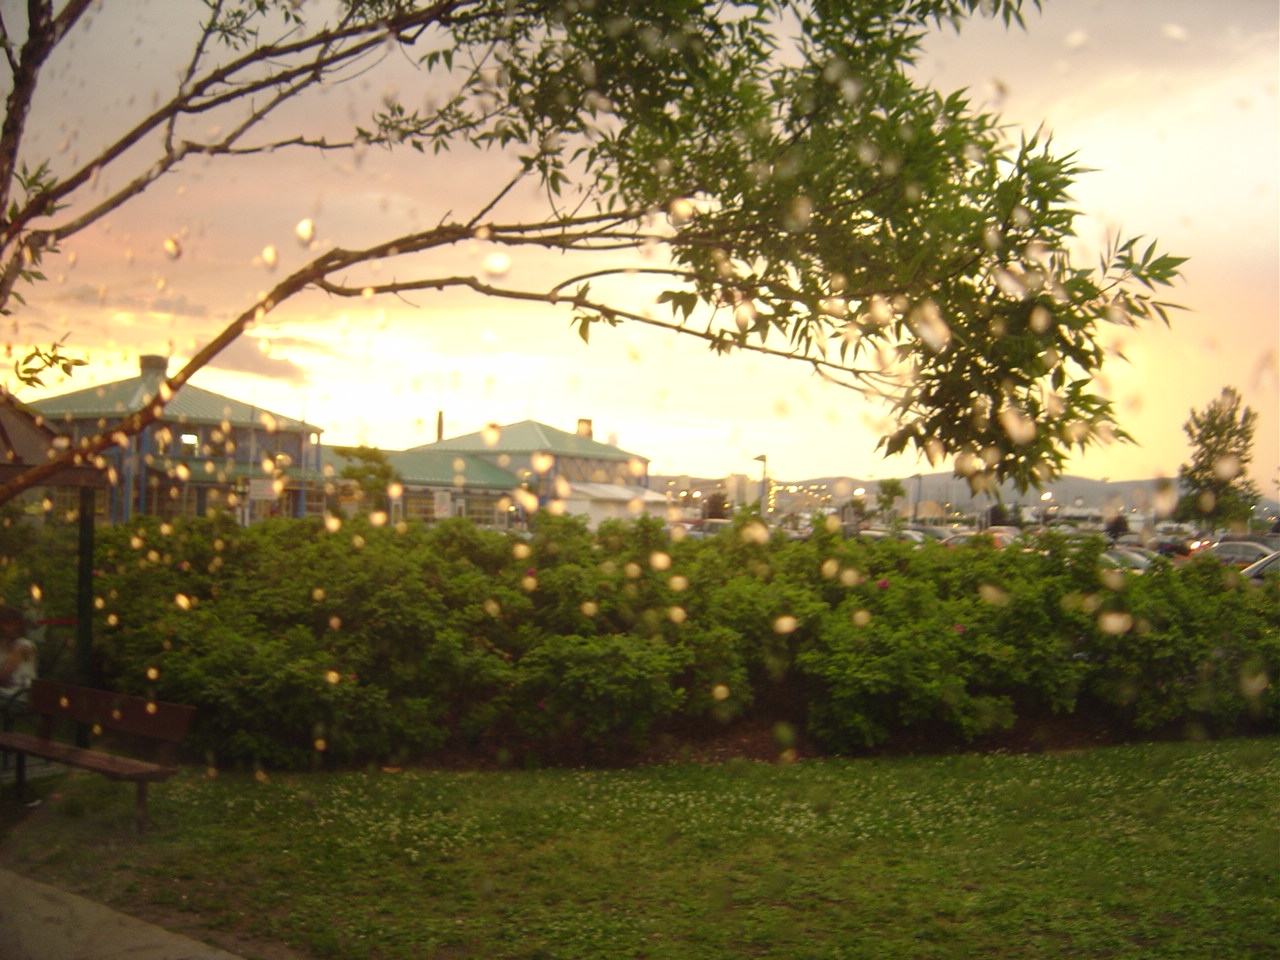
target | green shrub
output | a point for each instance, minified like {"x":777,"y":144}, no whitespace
{"x":385,"y":643}
{"x":605,"y":691}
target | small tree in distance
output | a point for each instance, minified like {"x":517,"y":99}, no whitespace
{"x":887,"y":497}
{"x":772,"y":167}
{"x":372,"y":472}
{"x":1217,"y":492}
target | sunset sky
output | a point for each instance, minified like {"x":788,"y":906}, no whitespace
{"x":1172,"y":102}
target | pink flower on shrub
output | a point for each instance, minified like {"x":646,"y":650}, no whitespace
{"x":883,"y":583}
{"x":958,"y":628}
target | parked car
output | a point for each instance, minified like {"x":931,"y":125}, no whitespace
{"x":998,"y":537}
{"x":1237,"y":553}
{"x":1267,"y":565}
{"x":1127,"y":559}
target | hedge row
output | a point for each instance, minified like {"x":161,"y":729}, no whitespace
{"x":298,"y":641}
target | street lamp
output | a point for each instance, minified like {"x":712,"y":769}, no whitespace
{"x":764,"y":484}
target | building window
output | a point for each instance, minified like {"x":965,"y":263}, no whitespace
{"x":420,"y":505}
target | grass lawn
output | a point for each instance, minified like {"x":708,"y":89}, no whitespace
{"x":1145,"y":851}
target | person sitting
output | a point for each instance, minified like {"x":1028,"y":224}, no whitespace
{"x":17,"y":663}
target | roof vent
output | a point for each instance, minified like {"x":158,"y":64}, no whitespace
{"x":150,"y":362}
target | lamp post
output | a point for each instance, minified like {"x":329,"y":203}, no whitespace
{"x":1045,"y":499}
{"x":764,"y":484}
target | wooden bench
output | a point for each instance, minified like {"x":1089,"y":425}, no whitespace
{"x":161,"y":726}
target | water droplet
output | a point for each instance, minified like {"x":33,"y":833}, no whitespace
{"x":183,"y":601}
{"x":1017,"y":425}
{"x":1076,"y":39}
{"x":1115,"y":621}
{"x":929,"y":325}
{"x":1227,"y":467}
{"x":305,"y":231}
{"x":785,"y":624}
{"x":172,"y":248}
{"x":681,"y":211}
{"x":1112,"y":579}
{"x":269,"y":256}
{"x":720,"y":692}
{"x":589,"y":608}
{"x":799,"y":215}
{"x":679,"y":583}
{"x":676,"y":614}
{"x":497,"y":264}
{"x":332,"y":676}
{"x":659,"y":560}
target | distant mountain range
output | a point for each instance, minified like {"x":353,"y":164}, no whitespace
{"x":1154,"y":496}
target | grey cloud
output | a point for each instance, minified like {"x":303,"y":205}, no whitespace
{"x":137,"y":302}
{"x":244,"y":356}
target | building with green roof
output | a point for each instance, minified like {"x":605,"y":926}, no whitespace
{"x":569,"y":472}
{"x":499,"y":475}
{"x":207,"y":451}
{"x":211,"y":452}
{"x":430,"y":485}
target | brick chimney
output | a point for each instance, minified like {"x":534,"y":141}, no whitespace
{"x":585,"y":428}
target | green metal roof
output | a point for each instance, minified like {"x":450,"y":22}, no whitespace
{"x":528,"y":437}
{"x":446,"y":468}
{"x":436,"y":468}
{"x":190,"y":404}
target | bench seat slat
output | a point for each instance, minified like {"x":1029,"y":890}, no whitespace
{"x":109,"y":765}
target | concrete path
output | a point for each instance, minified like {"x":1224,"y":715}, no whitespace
{"x":40,"y":922}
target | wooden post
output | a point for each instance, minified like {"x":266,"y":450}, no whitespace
{"x":84,"y":602}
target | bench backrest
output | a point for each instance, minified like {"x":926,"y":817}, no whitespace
{"x":110,"y":711}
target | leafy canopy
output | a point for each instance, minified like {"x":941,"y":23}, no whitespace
{"x":772,"y":168}
{"x":1217,"y":489}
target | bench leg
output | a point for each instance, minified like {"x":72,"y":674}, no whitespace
{"x":142,"y":806}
